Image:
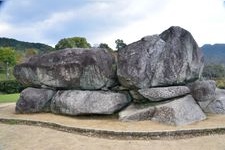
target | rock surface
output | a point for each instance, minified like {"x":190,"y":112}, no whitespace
{"x":69,"y":69}
{"x":75,"y":102}
{"x":33,"y":100}
{"x":181,"y":111}
{"x":137,"y":97}
{"x":137,"y":112}
{"x":203,"y":90}
{"x":215,"y":106}
{"x":164,"y":93}
{"x":171,"y":58}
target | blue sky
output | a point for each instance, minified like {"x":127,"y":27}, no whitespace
{"x":104,"y":21}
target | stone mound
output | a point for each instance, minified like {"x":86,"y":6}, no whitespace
{"x":156,"y":78}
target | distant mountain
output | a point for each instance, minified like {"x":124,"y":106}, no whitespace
{"x":214,"y":54}
{"x":22,"y":46}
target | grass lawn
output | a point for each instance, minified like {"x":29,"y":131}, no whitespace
{"x":7,"y":98}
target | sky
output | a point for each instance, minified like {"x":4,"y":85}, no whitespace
{"x":104,"y":21}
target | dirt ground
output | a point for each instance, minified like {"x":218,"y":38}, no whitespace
{"x":20,"y":137}
{"x":109,"y":123}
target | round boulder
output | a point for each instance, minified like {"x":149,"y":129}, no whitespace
{"x":203,"y":90}
{"x":33,"y":100}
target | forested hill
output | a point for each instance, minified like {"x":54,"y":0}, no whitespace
{"x":214,"y":54}
{"x":22,"y":46}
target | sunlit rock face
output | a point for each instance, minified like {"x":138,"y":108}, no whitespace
{"x":69,"y":69}
{"x":171,"y":58}
{"x":76,"y":102}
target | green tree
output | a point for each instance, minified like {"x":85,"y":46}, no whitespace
{"x":74,"y":42}
{"x":7,"y":58}
{"x":104,"y":45}
{"x":19,"y":57}
{"x":213,"y":71}
{"x":120,"y":44}
{"x":30,"y":52}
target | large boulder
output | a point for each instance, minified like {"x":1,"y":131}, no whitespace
{"x":171,"y":58}
{"x":203,"y":90}
{"x":33,"y":100}
{"x":164,"y":93}
{"x":76,"y":102}
{"x":69,"y":69}
{"x":215,"y":106}
{"x":181,"y":111}
{"x":137,"y":112}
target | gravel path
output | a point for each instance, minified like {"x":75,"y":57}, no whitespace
{"x":22,"y":137}
{"x":110,"y":123}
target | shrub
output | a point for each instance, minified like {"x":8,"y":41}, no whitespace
{"x":220,"y":83}
{"x":74,"y":42}
{"x":10,"y":86}
{"x":213,"y":71}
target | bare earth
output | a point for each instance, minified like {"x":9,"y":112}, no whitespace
{"x":109,"y":123}
{"x":20,"y":137}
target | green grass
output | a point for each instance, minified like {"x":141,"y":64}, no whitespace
{"x":7,"y":98}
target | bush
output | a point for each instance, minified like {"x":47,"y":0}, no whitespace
{"x":220,"y":83}
{"x":10,"y":86}
{"x":213,"y":71}
{"x":74,"y":42}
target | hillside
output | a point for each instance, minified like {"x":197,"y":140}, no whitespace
{"x":21,"y":46}
{"x":214,"y":54}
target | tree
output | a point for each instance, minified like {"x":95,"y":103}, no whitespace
{"x":120,"y":44}
{"x":213,"y":71}
{"x":74,"y":42}
{"x":104,"y":45}
{"x":19,"y":57}
{"x":8,"y":58}
{"x":29,"y":53}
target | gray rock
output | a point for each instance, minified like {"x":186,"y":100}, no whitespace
{"x":181,"y":111}
{"x":171,"y":58}
{"x":164,"y":93}
{"x":216,"y":106}
{"x":137,"y":112}
{"x":137,"y":97}
{"x":75,"y":102}
{"x":203,"y":90}
{"x":69,"y":69}
{"x":33,"y":100}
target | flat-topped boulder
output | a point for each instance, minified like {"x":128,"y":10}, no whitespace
{"x":76,"y":102}
{"x":164,"y":93}
{"x":171,"y":58}
{"x":78,"y":68}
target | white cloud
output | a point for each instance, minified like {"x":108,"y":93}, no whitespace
{"x":205,"y":19}
{"x":128,"y":20}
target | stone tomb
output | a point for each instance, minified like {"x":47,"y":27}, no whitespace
{"x":156,"y":78}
